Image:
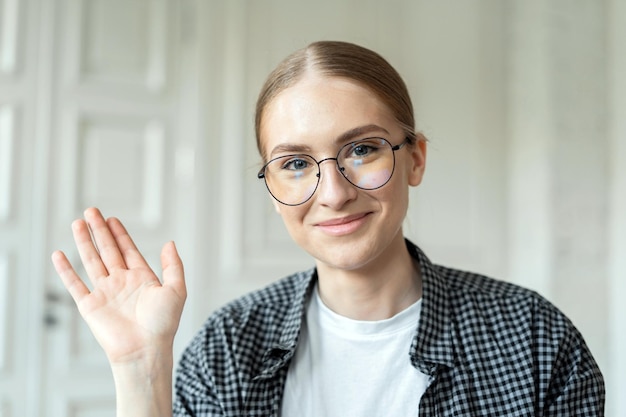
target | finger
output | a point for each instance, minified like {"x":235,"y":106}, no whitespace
{"x":72,"y":282}
{"x":88,"y":252}
{"x":106,"y":244}
{"x":173,"y":271}
{"x":131,"y":255}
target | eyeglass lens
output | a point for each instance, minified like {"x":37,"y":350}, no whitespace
{"x":367,"y":164}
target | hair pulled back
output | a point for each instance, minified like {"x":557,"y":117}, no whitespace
{"x":340,"y":59}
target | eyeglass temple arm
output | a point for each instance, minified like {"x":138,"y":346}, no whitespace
{"x":404,"y":142}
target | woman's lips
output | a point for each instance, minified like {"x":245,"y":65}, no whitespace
{"x":344,"y":225}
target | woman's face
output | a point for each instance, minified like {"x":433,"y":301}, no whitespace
{"x":341,"y":226}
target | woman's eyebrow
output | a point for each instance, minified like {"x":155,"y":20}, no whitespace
{"x":341,"y":139}
{"x":290,"y":147}
{"x":358,"y":131}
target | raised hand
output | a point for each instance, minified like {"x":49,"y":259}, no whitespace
{"x":131,"y":313}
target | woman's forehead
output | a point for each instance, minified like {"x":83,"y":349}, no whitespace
{"x":323,"y":109}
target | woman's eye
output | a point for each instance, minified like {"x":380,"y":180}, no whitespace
{"x":361,"y":150}
{"x":295,"y":164}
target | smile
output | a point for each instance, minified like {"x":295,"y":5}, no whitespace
{"x":344,"y":225}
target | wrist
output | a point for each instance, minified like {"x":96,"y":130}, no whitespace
{"x":144,"y":386}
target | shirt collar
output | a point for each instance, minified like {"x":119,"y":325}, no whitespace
{"x":280,"y":354}
{"x":432,"y":345}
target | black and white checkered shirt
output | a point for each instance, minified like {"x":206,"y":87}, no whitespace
{"x":491,"y":349}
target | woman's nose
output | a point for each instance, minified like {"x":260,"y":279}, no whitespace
{"x":334,"y":190}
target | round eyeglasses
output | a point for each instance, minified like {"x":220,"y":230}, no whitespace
{"x":367,"y":164}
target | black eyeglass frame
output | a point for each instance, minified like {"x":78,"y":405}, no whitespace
{"x":394,"y":148}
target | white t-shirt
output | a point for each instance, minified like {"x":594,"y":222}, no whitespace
{"x":344,"y":367}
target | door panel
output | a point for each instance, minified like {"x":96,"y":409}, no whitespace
{"x":118,"y":46}
{"x":10,"y":26}
{"x":7,"y":160}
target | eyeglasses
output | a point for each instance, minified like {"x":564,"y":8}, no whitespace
{"x":367,"y":164}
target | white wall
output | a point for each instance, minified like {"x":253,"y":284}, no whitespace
{"x":616,"y":360}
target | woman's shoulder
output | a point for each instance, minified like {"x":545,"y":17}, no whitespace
{"x":279,"y":295}
{"x":265,"y":312}
{"x":466,"y":282}
{"x":502,"y":302}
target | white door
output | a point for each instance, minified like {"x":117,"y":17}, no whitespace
{"x":118,"y":142}
{"x":97,"y":108}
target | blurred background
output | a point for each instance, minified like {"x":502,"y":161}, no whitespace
{"x":144,"y":108}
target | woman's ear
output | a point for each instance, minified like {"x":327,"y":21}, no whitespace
{"x":418,"y":160}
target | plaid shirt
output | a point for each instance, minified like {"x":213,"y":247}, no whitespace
{"x":490,"y":348}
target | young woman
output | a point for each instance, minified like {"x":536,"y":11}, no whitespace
{"x":374,"y":329}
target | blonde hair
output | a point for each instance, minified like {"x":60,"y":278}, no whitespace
{"x":341,"y":59}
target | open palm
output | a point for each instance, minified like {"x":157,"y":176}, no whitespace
{"x":130,"y":312}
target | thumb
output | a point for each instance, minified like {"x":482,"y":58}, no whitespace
{"x":173,"y":271}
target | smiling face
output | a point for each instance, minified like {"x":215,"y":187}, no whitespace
{"x":341,"y":226}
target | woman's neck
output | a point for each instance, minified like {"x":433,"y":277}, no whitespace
{"x":377,"y":291}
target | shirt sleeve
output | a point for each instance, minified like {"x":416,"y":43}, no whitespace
{"x":575,"y":383}
{"x":193,"y":392}
{"x":582,"y":391}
